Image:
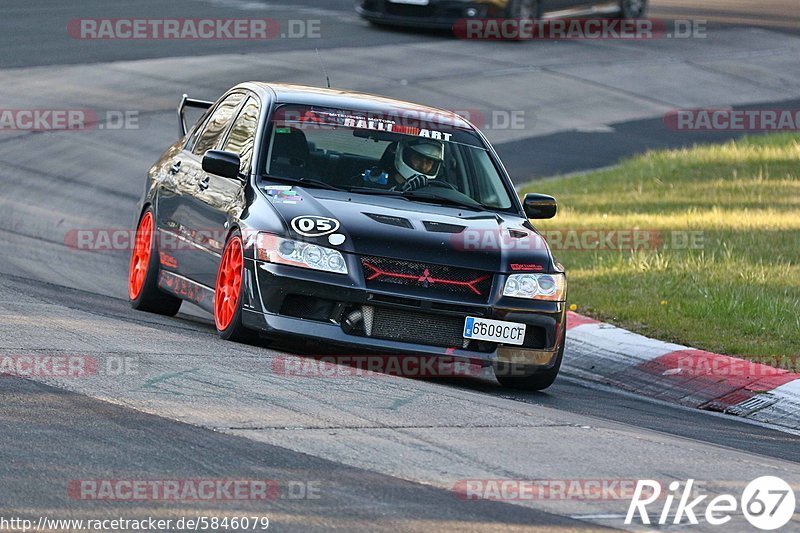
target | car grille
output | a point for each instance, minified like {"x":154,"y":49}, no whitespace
{"x":428,"y":329}
{"x":424,"y":279}
{"x":402,"y":324}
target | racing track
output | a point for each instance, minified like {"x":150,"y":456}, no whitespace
{"x":385,"y":451}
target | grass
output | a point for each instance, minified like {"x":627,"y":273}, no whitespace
{"x":737,"y":291}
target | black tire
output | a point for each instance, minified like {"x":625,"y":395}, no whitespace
{"x":151,"y":299}
{"x":525,"y":378}
{"x":632,"y":9}
{"x":234,"y":331}
{"x":524,"y":9}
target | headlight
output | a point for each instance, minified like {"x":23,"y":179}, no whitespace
{"x":300,"y":254}
{"x":551,"y":287}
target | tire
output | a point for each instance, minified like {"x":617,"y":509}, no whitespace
{"x":632,"y":9}
{"x":524,"y":378}
{"x":228,"y":292}
{"x":524,"y":9}
{"x":143,"y":291}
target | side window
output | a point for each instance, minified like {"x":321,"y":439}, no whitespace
{"x":217,"y":124}
{"x":196,"y":129}
{"x":242,"y":136}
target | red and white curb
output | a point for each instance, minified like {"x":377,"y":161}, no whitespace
{"x":610,"y":355}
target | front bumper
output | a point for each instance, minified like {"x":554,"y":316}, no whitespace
{"x":441,"y":14}
{"x":284,"y":301}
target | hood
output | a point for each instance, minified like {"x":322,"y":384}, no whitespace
{"x":386,"y":226}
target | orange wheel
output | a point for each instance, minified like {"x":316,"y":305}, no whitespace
{"x":144,"y":271}
{"x":140,"y":260}
{"x":229,"y":284}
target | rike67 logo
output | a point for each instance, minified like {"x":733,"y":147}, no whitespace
{"x":768,"y":503}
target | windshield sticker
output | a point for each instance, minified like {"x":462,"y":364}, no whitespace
{"x":283,"y":194}
{"x":359,"y":122}
{"x":391,"y":126}
{"x":314,"y":226}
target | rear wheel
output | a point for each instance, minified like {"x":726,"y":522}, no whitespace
{"x":143,"y":290}
{"x":632,"y":9}
{"x":228,"y":293}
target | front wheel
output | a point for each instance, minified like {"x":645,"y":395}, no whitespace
{"x":228,"y":292}
{"x":632,"y":9}
{"x":521,"y":377}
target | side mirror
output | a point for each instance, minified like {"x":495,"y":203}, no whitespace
{"x":540,"y":206}
{"x":219,"y":163}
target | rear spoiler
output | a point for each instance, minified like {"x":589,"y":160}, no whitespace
{"x":189,"y":102}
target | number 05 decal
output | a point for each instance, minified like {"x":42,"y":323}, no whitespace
{"x":310,"y":226}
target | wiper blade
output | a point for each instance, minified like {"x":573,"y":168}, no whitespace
{"x":305,"y":182}
{"x":371,"y":190}
{"x":416,"y":195}
{"x":470,"y":204}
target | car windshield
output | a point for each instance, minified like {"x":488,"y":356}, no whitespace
{"x":383,"y":154}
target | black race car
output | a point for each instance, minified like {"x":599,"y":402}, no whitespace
{"x":353,"y":219}
{"x":445,"y":13}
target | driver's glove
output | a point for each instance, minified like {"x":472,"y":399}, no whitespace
{"x":413,"y":183}
{"x":375,"y":175}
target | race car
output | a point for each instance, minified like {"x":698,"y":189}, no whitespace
{"x":444,"y":14}
{"x":357,"y":220}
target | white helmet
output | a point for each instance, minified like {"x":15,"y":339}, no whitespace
{"x":419,"y":157}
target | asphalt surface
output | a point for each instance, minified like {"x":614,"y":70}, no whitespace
{"x":385,"y":451}
{"x":113,"y":442}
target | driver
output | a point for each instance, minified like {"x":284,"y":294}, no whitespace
{"x":416,"y":162}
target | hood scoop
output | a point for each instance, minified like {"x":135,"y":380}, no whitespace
{"x":441,"y":227}
{"x":517,"y":234}
{"x":390,"y":220}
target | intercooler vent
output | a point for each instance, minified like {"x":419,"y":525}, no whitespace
{"x":418,"y":328}
{"x":412,"y":327}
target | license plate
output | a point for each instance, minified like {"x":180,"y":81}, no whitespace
{"x":483,"y":329}
{"x":411,"y":2}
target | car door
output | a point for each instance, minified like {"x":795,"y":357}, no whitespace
{"x":188,"y":246}
{"x":220,"y":200}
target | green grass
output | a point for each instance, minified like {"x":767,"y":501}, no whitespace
{"x":738,"y":293}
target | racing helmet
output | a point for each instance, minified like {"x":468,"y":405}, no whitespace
{"x":419,"y":157}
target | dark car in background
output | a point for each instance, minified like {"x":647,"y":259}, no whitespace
{"x":445,"y":13}
{"x":352,"y":219}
